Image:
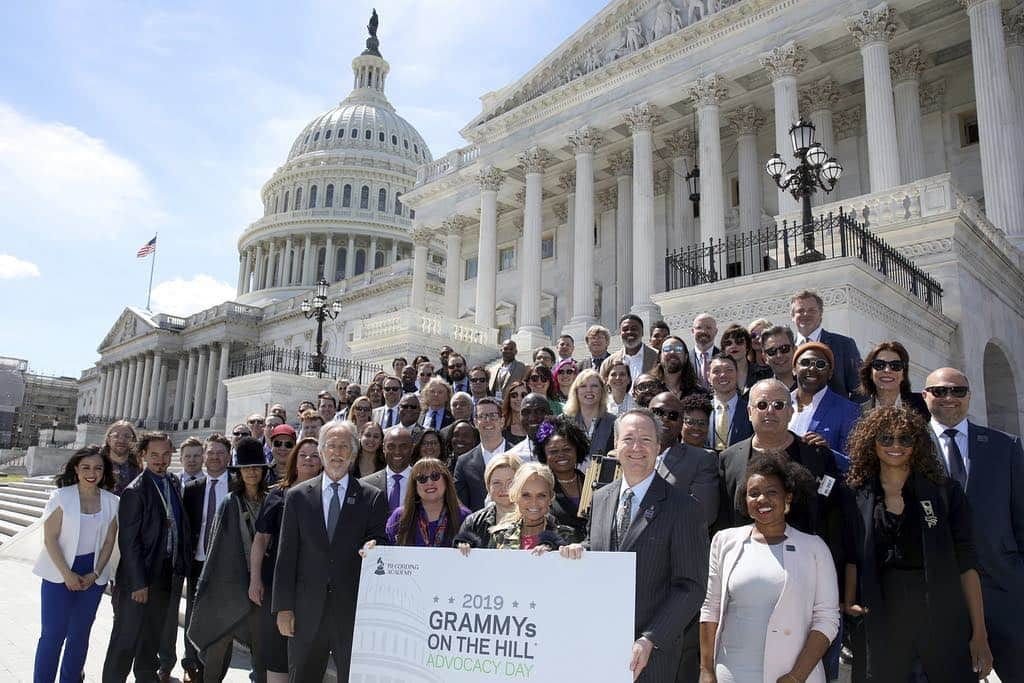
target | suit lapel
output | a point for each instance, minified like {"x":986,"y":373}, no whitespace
{"x":866,"y":510}
{"x":650,"y":506}
{"x":602,"y":518}
{"x":316,"y":505}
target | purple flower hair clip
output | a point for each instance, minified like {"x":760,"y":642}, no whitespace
{"x":545,"y":430}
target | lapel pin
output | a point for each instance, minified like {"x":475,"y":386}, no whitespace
{"x":649,"y":513}
{"x":982,"y":438}
{"x":350,"y":500}
{"x":929,"y":513}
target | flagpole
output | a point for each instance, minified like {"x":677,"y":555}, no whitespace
{"x":152,"y":266}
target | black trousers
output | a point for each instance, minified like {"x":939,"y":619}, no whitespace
{"x":307,"y":657}
{"x":689,"y":665}
{"x":190,"y":660}
{"x":168,"y":656}
{"x":135,"y":637}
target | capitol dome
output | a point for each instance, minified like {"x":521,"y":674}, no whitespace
{"x":334,"y":209}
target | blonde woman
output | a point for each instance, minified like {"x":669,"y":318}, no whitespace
{"x":359,"y":413}
{"x":588,"y":407}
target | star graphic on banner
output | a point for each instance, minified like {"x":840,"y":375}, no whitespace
{"x":451,"y":600}
{"x":436,"y":599}
{"x":515,"y":603}
{"x":533,"y":605}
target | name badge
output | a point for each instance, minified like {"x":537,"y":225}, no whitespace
{"x":825,"y":485}
{"x":791,"y":548}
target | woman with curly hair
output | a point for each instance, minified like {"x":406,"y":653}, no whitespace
{"x":119,"y":446}
{"x":911,"y":577}
{"x":885,"y":380}
{"x":563,"y":447}
{"x":431,"y":515}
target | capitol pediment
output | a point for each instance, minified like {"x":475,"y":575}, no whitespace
{"x":131,"y":323}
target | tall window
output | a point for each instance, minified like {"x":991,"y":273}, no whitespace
{"x":364,"y":198}
{"x":329,"y":197}
{"x":339,"y":264}
{"x":398,"y":203}
{"x":285,"y":201}
{"x":382,"y":200}
{"x":275,"y":203}
{"x":378,"y":260}
{"x":321,"y":259}
{"x":312,"y":197}
{"x":506,"y":258}
{"x":470,"y":271}
{"x":298,"y":198}
{"x":360,"y":261}
{"x":346,"y":196}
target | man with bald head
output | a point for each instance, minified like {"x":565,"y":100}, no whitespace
{"x":705,"y":329}
{"x":326,"y":520}
{"x":532,"y":411}
{"x":393,"y":480}
{"x":989,"y":464}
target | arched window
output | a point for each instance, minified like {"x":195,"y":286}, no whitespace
{"x":312,"y":197}
{"x":369,"y":134}
{"x":346,"y":196}
{"x":415,"y":148}
{"x":298,"y":198}
{"x":380,"y":136}
{"x":398,"y":203}
{"x":329,"y":197}
{"x":406,"y":143}
{"x":321,"y":256}
{"x":360,"y":261}
{"x":327,"y":135}
{"x":378,"y":260}
{"x":355,"y":133}
{"x":285,"y":201}
{"x":316,"y":136}
{"x":339,"y":263}
{"x":382,"y":200}
{"x":394,"y":139}
{"x":364,"y":198}
{"x":275,"y":203}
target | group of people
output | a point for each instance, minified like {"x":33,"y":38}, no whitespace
{"x":785,"y":500}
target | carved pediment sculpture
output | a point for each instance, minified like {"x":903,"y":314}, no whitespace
{"x":128,"y":326}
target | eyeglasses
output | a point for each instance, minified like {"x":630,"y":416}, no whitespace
{"x":488,"y":417}
{"x":285,"y":444}
{"x":535,"y":378}
{"x":774,"y":405}
{"x":567,"y":371}
{"x":390,"y":389}
{"x":478,"y":380}
{"x":362,"y":409}
{"x":733,"y":342}
{"x":893,"y":365}
{"x":256,"y":422}
{"x":943,"y":392}
{"x":673,"y":348}
{"x":647,"y":386}
{"x":408,"y":407}
{"x":887,"y":440}
{"x":694,"y":422}
{"x":819,"y":363}
{"x":424,"y":478}
{"x":240,"y":434}
{"x":672,"y":415}
{"x":783,"y":349}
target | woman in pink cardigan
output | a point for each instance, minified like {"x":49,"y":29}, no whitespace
{"x":772,"y":606}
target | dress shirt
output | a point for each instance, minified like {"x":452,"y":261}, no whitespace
{"x":489,"y":455}
{"x":961,"y":442}
{"x":523,"y":449}
{"x":619,"y":408}
{"x":729,"y":406}
{"x":434,"y":418}
{"x":815,"y":335}
{"x":390,"y":477}
{"x":462,"y":385}
{"x":800,"y":423}
{"x":639,"y":491}
{"x":635,"y":362}
{"x":222,"y":492}
{"x":326,"y":493}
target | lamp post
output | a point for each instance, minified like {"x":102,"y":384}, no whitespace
{"x":817,"y":170}
{"x":53,"y":433}
{"x":318,"y":308}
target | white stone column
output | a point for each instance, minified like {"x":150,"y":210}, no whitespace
{"x":271,"y":265}
{"x":297,"y":264}
{"x":708,"y":93}
{"x":350,"y":257}
{"x":308,"y":261}
{"x":330,"y":258}
{"x":530,"y":334}
{"x":289,"y":260}
{"x":783,"y":64}
{"x":210,"y":395}
{"x":147,"y":386}
{"x":203,"y":355}
{"x":584,"y":141}
{"x":188,"y":402}
{"x":1013,"y":25}
{"x":394,"y":251}
{"x":490,"y":179}
{"x":872,"y":30}
{"x":161,"y":400}
{"x":140,"y":379}
{"x":620,"y":166}
{"x":681,"y":145}
{"x":1002,"y":174}
{"x":101,"y":409}
{"x":243,"y":267}
{"x":817,"y":102}
{"x":371,"y":256}
{"x":746,"y":121}
{"x":421,"y":237}
{"x":258,"y":280}
{"x":452,"y":229}
{"x":129,"y":399}
{"x":221,"y":410}
{"x":907,"y":67}
{"x":641,"y":119}
{"x":567,"y":183}
{"x":154,"y":386}
{"x":123,"y":370}
{"x":179,"y":388}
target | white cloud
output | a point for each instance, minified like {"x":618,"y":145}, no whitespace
{"x":58,"y":182}
{"x":185,"y":297}
{"x":12,"y":267}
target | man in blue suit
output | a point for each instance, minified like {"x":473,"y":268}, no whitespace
{"x":729,"y":422}
{"x":989,"y":464}
{"x":821,"y":416}
{"x":806,"y":308}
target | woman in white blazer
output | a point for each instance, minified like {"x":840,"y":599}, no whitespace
{"x":772,"y":606}
{"x":79,"y":530}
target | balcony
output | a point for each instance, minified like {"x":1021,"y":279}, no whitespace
{"x":331,"y":214}
{"x":449,"y":163}
{"x":410,"y":331}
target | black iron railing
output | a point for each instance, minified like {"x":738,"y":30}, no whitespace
{"x":299,"y":363}
{"x":777,"y":248}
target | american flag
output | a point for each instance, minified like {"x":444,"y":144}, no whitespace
{"x":147,"y":248}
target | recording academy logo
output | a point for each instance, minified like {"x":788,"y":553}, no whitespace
{"x":395,"y":568}
{"x":380,"y":567}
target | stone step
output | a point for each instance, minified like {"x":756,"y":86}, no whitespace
{"x":34,"y":485}
{"x":21,"y":519}
{"x":8,"y":531}
{"x":28,"y":510}
{"x":26,"y":492}
{"x":6,"y":497}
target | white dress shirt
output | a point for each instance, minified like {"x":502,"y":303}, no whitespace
{"x":326,"y":493}
{"x":635,"y":362}
{"x":404,"y":484}
{"x":489,"y":455}
{"x":221,"y":493}
{"x":800,"y":423}
{"x":523,"y":449}
{"x":639,"y":491}
{"x":815,"y":335}
{"x":961,"y":442}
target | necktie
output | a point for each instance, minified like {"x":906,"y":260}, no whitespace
{"x":172,"y":527}
{"x":333,"y":511}
{"x":436,"y":422}
{"x":722,"y":427}
{"x":390,"y":419}
{"x":704,"y":369}
{"x":957,"y":469}
{"x":395,"y":499}
{"x":624,"y":517}
{"x":211,"y":511}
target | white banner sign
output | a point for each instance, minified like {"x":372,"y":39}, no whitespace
{"x":430,"y":615}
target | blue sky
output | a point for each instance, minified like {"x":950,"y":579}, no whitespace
{"x":122,"y":119}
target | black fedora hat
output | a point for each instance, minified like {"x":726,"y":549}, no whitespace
{"x":249,"y":453}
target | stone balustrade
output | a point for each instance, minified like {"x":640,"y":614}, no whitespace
{"x":409,"y":331}
{"x":453,"y":161}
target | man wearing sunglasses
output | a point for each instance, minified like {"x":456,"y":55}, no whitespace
{"x":387,"y":415}
{"x":820,"y":416}
{"x":693,"y":471}
{"x":806,"y":309}
{"x":989,"y":464}
{"x":778,"y":344}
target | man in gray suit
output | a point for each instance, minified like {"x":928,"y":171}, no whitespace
{"x":989,"y":464}
{"x":693,"y":471}
{"x":665,"y":528}
{"x":326,"y":521}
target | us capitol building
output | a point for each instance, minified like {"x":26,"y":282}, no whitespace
{"x":576,"y":199}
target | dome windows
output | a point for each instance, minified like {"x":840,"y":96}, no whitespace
{"x":394,"y":139}
{"x":329,"y":196}
{"x":327,"y":135}
{"x":364,"y":198}
{"x":398,"y":203}
{"x":354,"y":133}
{"x":346,"y":197}
{"x":382,"y":200}
{"x":369,"y":134}
{"x":306,"y":141}
{"x":380,"y":136}
{"x":285,"y":208}
{"x":298,"y":198}
{"x":312,"y":197}
{"x":316,"y":136}
{"x":415,"y":148}
{"x":405,"y":143}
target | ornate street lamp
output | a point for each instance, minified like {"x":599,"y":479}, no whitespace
{"x":816,"y":170}
{"x":318,"y":308}
{"x":53,"y":433}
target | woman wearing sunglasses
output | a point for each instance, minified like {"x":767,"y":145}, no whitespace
{"x":539,"y":380}
{"x":884,"y":379}
{"x":431,"y":515}
{"x":910,"y":578}
{"x":360,"y":412}
{"x":564,"y":375}
{"x":512,"y":428}
{"x":737,"y":343}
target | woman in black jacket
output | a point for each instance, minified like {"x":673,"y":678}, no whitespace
{"x":911,"y":580}
{"x":498,"y":475}
{"x":885,"y":380}
{"x":563,"y":448}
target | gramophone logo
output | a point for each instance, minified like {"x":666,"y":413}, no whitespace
{"x":379,"y":571}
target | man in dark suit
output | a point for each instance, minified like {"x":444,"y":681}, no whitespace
{"x":326,"y":521}
{"x":665,"y":528}
{"x":153,"y":542}
{"x":598,"y":337}
{"x":729,"y":422}
{"x":692,"y":470}
{"x":436,"y":393}
{"x":508,"y":370}
{"x":470,"y":467}
{"x":394,"y":479}
{"x":990,"y":465}
{"x":806,"y":309}
{"x":821,"y":416}
{"x":456,"y":376}
{"x":640,"y":357}
{"x":409,"y":415}
{"x":704,"y":330}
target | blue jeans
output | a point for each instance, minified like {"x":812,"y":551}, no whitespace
{"x":67,"y":618}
